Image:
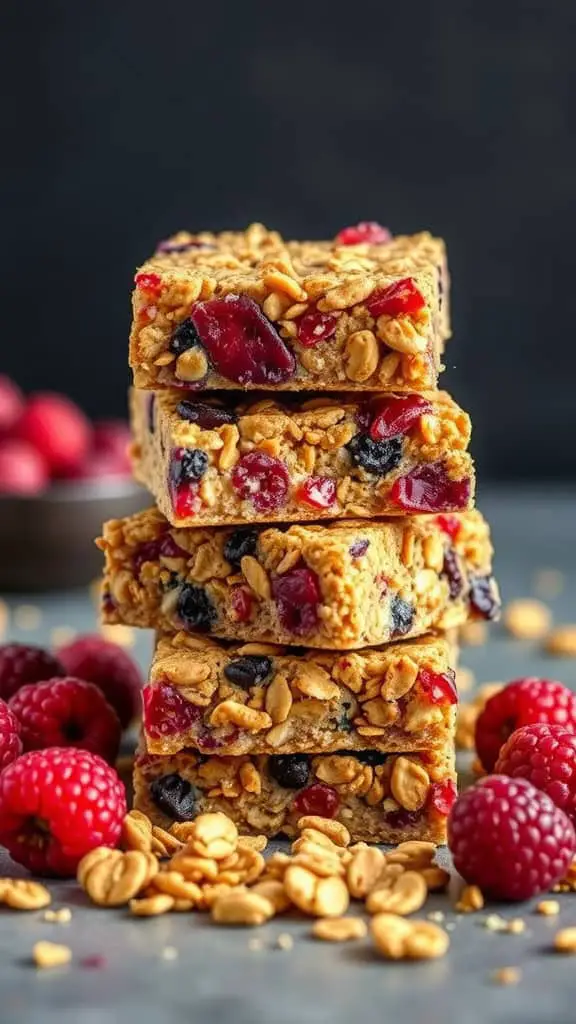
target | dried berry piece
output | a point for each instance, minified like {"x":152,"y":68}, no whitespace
{"x":291,"y":771}
{"x":195,"y":609}
{"x":378,"y":457}
{"x":399,"y":299}
{"x":297,"y":595}
{"x":449,"y":525}
{"x":206,"y":416}
{"x":151,"y":283}
{"x":247,"y":671}
{"x":484,"y":597}
{"x":152,"y":550}
{"x":402,"y":818}
{"x":184,"y":337}
{"x":187,"y":467}
{"x":241,"y":542}
{"x":167,"y":712}
{"x":358,"y":548}
{"x":175,"y":796}
{"x":317,"y":799}
{"x":440,"y":688}
{"x":429,"y":489}
{"x":315,"y":327}
{"x":397,"y":414}
{"x":317,"y":491}
{"x":241,"y":601}
{"x":442,"y":796}
{"x":401,"y":615}
{"x":262,"y":479}
{"x":241,"y":342}
{"x":453,"y":572}
{"x":366,"y":232}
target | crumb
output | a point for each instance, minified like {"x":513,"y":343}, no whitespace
{"x":506,"y":976}
{"x":284,"y":941}
{"x":62,"y":916}
{"x":437,"y":916}
{"x":49,"y":954}
{"x":548,"y":908}
{"x":516,"y":926}
{"x":27,"y":616}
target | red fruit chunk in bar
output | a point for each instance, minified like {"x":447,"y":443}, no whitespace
{"x":397,"y":415}
{"x":429,"y":488}
{"x":263,"y":479}
{"x":318,"y":492}
{"x":367,"y":231}
{"x":317,"y":799}
{"x":315,"y":327}
{"x":400,"y":298}
{"x":166,"y":711}
{"x":438,"y":687}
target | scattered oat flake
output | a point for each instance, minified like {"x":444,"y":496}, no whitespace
{"x":49,"y":954}
{"x":27,"y":616}
{"x":285,"y":941}
{"x":548,"y":908}
{"x":506,"y":976}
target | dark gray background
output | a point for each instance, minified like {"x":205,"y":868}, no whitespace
{"x":127,"y":119}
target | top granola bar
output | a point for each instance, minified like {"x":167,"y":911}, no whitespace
{"x":251,"y":309}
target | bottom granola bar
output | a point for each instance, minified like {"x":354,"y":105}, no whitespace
{"x":381,"y":798}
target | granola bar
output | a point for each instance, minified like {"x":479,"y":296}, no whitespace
{"x":380,"y":797}
{"x":209,"y":463}
{"x":264,"y":699}
{"x":343,"y":585}
{"x":250,"y":309}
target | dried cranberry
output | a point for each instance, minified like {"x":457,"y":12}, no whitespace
{"x":187,"y":467}
{"x":241,"y":601}
{"x":442,"y":796}
{"x":297,"y":595}
{"x":175,"y":796}
{"x":402,"y":616}
{"x":241,"y":542}
{"x":402,"y":818}
{"x":429,"y":489}
{"x":167,"y":712}
{"x":358,"y":548}
{"x":263,"y":479}
{"x":440,"y":688}
{"x":449,"y":525}
{"x":206,"y":416}
{"x":247,"y":671}
{"x":152,"y":550}
{"x":195,"y":609}
{"x":367,"y":231}
{"x":316,"y":327}
{"x":186,"y":501}
{"x":377,"y":457}
{"x":168,"y":548}
{"x":291,"y":771}
{"x":484,"y":597}
{"x":397,"y":414}
{"x":398,"y":299}
{"x":151,"y":283}
{"x":317,"y":491}
{"x":452,"y":570}
{"x":317,"y":799}
{"x":242,"y":343}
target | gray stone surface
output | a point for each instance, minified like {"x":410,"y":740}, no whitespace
{"x":217,"y":978}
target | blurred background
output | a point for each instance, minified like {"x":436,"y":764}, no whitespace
{"x":129,"y":120}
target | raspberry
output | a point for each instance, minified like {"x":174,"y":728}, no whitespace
{"x":398,"y":299}
{"x":509,"y":838}
{"x":546,"y":756}
{"x":297,"y":595}
{"x":263,"y":479}
{"x":522,"y":702}
{"x":315,"y":327}
{"x":21,"y":664}
{"x":10,"y":741}
{"x":110,"y":668}
{"x":111,"y":439}
{"x":23,"y":470}
{"x":397,"y":414}
{"x":11,"y":404}
{"x":317,"y":491}
{"x":317,"y":799}
{"x":56,"y":805}
{"x":67,"y":713}
{"x":430,"y":489}
{"x":59,"y":431}
{"x":167,"y":712}
{"x":367,"y":231}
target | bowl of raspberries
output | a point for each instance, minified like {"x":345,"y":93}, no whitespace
{"x":61,"y":475}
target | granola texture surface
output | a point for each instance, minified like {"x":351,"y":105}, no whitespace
{"x":261,"y":698}
{"x":344,"y":585}
{"x":381,"y":798}
{"x":351,"y":343}
{"x":319,"y":454}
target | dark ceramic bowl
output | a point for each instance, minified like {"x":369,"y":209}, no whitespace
{"x":47,"y":542}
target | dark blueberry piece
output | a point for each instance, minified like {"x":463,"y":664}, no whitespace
{"x":484,"y":597}
{"x":195,"y":609}
{"x":175,"y":796}
{"x":344,"y":723}
{"x":372,"y":757}
{"x":187,"y":464}
{"x":206,"y":416}
{"x":240,"y":543}
{"x":291,"y":771}
{"x":358,"y":548}
{"x":151,"y":410}
{"x":402,"y":614}
{"x":453,"y":573}
{"x":378,"y":457}
{"x":402,"y":818}
{"x":250,"y":670}
{"x":184,"y":337}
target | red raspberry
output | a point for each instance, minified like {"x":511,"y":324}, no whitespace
{"x":56,"y":805}
{"x":67,"y":713}
{"x":59,"y":430}
{"x":546,"y":756}
{"x":509,"y":838}
{"x":522,"y":702}
{"x":11,"y":404}
{"x":10,"y":742}
{"x":21,"y":664}
{"x":110,"y":668}
{"x":22,"y":469}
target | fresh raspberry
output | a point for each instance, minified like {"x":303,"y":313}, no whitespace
{"x":110,"y":668}
{"x":21,"y":664}
{"x":546,"y":756}
{"x":10,"y":742}
{"x":509,"y":838}
{"x":23,"y":470}
{"x":59,"y":430}
{"x":56,"y":805}
{"x":67,"y":713}
{"x":11,"y":404}
{"x":522,"y":702}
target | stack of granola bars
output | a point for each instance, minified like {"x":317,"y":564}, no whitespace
{"x":314,"y":545}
